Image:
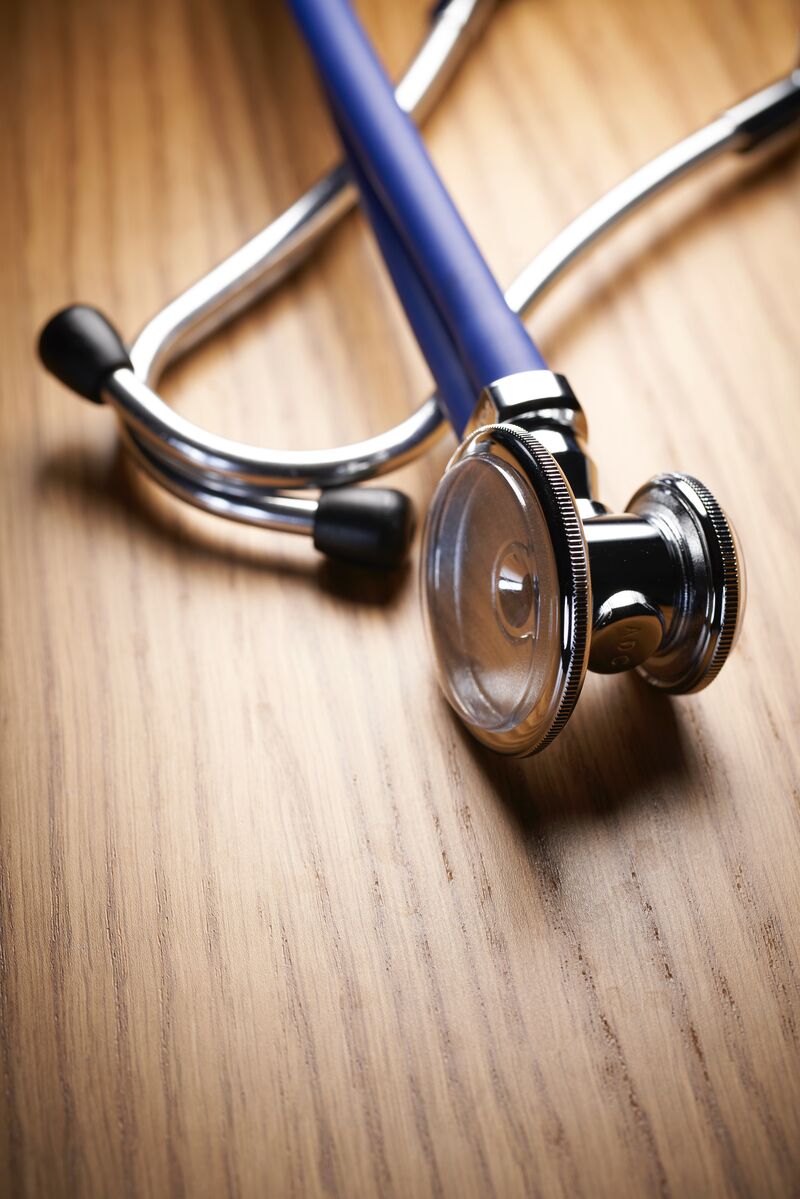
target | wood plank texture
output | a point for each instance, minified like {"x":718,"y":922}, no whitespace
{"x":270,"y":924}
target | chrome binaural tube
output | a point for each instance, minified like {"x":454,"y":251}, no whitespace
{"x":238,"y":480}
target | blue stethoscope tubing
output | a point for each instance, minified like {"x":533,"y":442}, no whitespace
{"x":454,"y":386}
{"x":466,"y":330}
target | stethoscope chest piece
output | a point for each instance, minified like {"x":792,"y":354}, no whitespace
{"x":506,"y":590}
{"x":527,"y":582}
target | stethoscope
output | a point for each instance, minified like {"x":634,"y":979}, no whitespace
{"x":527,"y":579}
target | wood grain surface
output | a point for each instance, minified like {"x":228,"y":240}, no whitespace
{"x":270,"y":923}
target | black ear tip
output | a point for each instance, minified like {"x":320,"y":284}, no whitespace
{"x":369,"y":526}
{"x":82,"y":348}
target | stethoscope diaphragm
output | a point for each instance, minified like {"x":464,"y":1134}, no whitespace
{"x":506,"y":590}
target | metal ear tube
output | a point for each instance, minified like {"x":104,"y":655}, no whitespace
{"x":258,"y":485}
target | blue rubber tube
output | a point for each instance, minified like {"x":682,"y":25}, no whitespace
{"x":488,"y":337}
{"x":454,"y":388}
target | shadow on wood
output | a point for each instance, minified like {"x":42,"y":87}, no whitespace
{"x":623,"y":746}
{"x":126,"y":495}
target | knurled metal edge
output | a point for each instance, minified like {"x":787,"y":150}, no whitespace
{"x":731,"y":596}
{"x":581,"y":597}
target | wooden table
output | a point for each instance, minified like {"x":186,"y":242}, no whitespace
{"x":270,"y":923}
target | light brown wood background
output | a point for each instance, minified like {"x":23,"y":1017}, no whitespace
{"x":270,"y":924}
